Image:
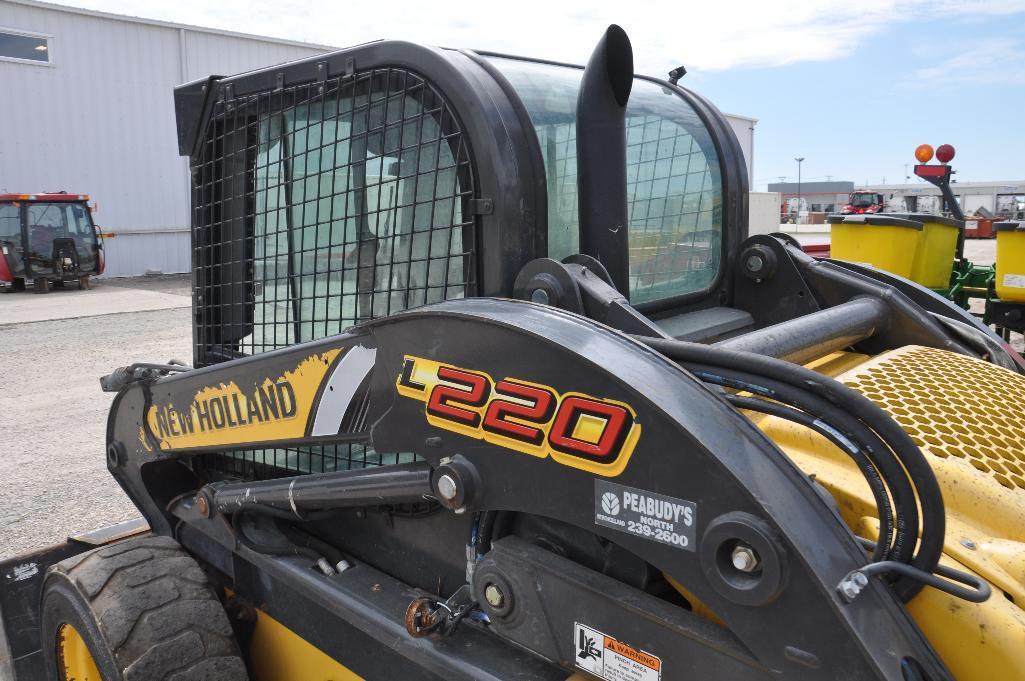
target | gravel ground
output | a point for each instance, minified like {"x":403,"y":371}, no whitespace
{"x":54,"y":417}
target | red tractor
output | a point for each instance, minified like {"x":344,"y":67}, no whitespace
{"x":48,"y":239}
{"x":863,"y":201}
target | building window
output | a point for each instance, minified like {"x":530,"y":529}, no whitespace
{"x":24,"y":47}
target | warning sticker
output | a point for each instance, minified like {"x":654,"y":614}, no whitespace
{"x":653,"y":516}
{"x":613,"y":660}
{"x":1014,"y":280}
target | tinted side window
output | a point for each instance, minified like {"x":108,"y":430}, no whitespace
{"x":674,"y":184}
{"x":10,"y":223}
{"x":317,"y":208}
{"x":316,"y":211}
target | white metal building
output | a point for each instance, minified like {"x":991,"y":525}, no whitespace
{"x":1002,"y":198}
{"x":744,"y":129}
{"x":88,"y":108}
{"x":93,"y":113}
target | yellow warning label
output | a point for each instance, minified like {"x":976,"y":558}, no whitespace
{"x":626,"y":651}
{"x":611,"y":659}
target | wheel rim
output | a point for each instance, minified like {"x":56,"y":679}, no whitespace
{"x":74,"y":661}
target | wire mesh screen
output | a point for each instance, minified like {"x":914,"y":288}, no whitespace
{"x":674,"y":186}
{"x":266,"y":464}
{"x":324,"y":204}
{"x":318,"y":206}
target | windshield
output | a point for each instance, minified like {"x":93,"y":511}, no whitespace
{"x":865,"y":200}
{"x":674,"y":186}
{"x":60,"y":220}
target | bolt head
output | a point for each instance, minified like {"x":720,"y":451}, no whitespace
{"x":968,"y":544}
{"x":447,"y":487}
{"x":849,"y":590}
{"x":494,"y":596}
{"x":539,"y":296}
{"x":755,"y":263}
{"x":744,"y":558}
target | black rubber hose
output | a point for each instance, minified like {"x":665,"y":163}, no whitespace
{"x":929,"y":495}
{"x":905,"y":530}
{"x":485,"y":528}
{"x":268,"y":549}
{"x":302,"y":538}
{"x":918,"y":469}
{"x":849,"y":447}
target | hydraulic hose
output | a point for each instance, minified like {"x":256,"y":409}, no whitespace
{"x":906,"y":522}
{"x":852,"y":449}
{"x":858,"y":406}
{"x":282,"y":549}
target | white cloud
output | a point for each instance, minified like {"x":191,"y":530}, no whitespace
{"x":703,"y":36}
{"x":986,"y":61}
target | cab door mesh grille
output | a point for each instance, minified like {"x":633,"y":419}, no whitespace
{"x":323,"y":204}
{"x":317,"y":206}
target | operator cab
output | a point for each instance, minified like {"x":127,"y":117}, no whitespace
{"x":363,"y":193}
{"x":48,"y":239}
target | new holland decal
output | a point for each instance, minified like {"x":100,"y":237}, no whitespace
{"x":578,"y":430}
{"x":225,"y":414}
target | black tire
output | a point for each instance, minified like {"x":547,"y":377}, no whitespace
{"x":145,"y":610}
{"x":41,"y":285}
{"x":19,"y":284}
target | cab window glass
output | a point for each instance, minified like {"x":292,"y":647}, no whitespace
{"x":359,"y":213}
{"x":10,"y":223}
{"x":674,"y":187}
{"x":60,"y":220}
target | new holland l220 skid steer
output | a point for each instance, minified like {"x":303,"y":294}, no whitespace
{"x":490,"y":383}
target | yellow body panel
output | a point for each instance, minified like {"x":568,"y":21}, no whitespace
{"x":279,"y":654}
{"x":934,"y":260}
{"x":1010,"y":281}
{"x":884,"y":247}
{"x":968,"y":418}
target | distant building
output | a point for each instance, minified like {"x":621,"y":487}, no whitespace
{"x":816,"y":197}
{"x":88,"y":108}
{"x":1003,"y":199}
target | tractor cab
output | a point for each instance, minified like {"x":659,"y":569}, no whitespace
{"x":862,"y":201}
{"x":48,"y":239}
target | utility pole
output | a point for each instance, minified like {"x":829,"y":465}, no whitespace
{"x":799,"y":160}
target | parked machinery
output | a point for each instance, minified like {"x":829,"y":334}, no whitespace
{"x":48,"y":239}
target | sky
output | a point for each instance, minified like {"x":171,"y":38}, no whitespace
{"x":851,"y":86}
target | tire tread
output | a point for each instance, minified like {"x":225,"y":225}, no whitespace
{"x":156,"y":611}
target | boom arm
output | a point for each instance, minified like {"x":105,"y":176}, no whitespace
{"x":524,"y":408}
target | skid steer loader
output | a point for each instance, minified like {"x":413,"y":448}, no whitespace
{"x":489,"y":384}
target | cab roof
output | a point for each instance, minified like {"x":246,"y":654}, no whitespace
{"x":45,"y":196}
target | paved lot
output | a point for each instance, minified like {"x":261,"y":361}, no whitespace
{"x":53,"y":349}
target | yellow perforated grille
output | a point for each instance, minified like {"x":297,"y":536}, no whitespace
{"x":952,"y":406}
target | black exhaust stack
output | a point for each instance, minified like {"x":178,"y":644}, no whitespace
{"x":601,"y":155}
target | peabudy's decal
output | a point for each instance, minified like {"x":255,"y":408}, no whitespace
{"x":589,"y":433}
